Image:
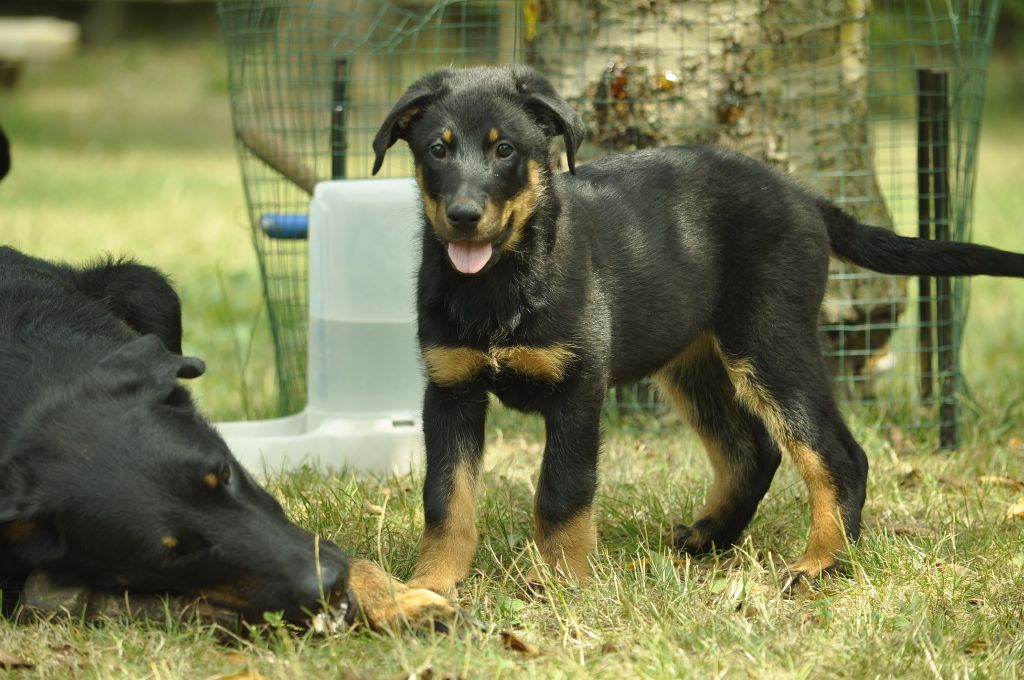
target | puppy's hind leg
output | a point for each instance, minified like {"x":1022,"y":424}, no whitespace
{"x":784,"y":381}
{"x":742,"y":454}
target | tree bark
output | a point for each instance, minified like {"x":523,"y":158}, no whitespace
{"x":781,"y":81}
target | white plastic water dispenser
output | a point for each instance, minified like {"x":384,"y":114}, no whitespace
{"x":365,"y":383}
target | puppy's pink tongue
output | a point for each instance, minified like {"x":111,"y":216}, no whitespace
{"x":469,"y":257}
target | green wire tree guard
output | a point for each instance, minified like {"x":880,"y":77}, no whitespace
{"x":876,"y":105}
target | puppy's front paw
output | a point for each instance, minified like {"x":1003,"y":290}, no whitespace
{"x":385,"y":603}
{"x":803,"y":577}
{"x":443,"y":587}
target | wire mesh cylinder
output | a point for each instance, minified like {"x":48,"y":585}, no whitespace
{"x":826,"y":90}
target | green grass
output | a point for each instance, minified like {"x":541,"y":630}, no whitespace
{"x":128,"y":150}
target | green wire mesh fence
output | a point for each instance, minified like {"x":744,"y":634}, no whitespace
{"x":876,"y":105}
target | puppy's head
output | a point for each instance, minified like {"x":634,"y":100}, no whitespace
{"x":481,"y":140}
{"x":117,"y":483}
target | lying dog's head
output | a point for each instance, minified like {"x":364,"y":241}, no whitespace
{"x":481,"y":140}
{"x":114,"y":481}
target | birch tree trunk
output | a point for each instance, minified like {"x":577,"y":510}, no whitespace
{"x":781,"y":81}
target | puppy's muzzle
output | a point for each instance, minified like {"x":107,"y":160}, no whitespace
{"x":464,"y":216}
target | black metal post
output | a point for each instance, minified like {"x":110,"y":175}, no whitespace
{"x":937,"y":355}
{"x":924,"y":219}
{"x":948,"y":434}
{"x":338,"y":142}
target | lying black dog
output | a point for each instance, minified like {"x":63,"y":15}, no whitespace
{"x":696,"y":265}
{"x":109,"y":477}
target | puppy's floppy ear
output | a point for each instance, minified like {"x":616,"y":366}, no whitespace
{"x":396,"y":125}
{"x":541,"y":100}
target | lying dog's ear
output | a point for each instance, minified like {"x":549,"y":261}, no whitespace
{"x":140,"y":296}
{"x":411,"y":105}
{"x":555,"y":113}
{"x":145,"y":366}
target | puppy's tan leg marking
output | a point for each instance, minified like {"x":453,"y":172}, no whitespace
{"x":566,"y":547}
{"x":827,"y":541}
{"x":688,"y":366}
{"x":446,"y":553}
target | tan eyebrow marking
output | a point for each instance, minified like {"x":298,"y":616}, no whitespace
{"x":169,"y":541}
{"x":447,"y":135}
{"x":211,"y":480}
{"x":493,"y":135}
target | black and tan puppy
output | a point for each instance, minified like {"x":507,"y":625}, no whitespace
{"x":696,"y":265}
{"x":109,"y":476}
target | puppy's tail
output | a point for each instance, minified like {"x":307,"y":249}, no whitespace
{"x":883,"y":251}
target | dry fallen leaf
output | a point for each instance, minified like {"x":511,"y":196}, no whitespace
{"x":429,"y":674}
{"x":808,"y":619}
{"x":976,"y":646}
{"x":517,"y":644}
{"x":235,"y":658}
{"x":912,"y":478}
{"x":1015,"y":443}
{"x":1016,"y":511}
{"x":899,"y":440}
{"x":9,"y":662}
{"x":958,"y":569}
{"x":908,"y":529}
{"x":244,"y":675}
{"x":1002,"y":480}
{"x":953,"y":482}
{"x":372,"y":509}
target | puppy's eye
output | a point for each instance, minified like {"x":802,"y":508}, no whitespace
{"x":438,"y":151}
{"x":225,"y":474}
{"x":504,"y":150}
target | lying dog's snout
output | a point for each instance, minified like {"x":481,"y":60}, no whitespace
{"x":324,"y":585}
{"x":464,"y":215}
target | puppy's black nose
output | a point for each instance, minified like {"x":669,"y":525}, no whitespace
{"x":464,"y":215}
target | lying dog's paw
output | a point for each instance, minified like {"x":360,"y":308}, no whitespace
{"x":386,"y":604}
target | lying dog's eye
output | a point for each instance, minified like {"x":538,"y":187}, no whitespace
{"x":438,"y":151}
{"x":215,"y":478}
{"x":183,"y":546}
{"x":504,"y":150}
